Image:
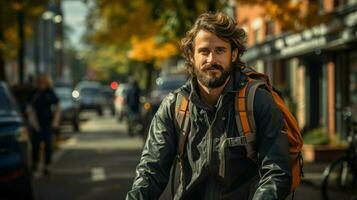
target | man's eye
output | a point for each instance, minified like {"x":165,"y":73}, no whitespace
{"x":204,"y":52}
{"x":220,"y":51}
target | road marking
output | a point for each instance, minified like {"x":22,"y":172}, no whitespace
{"x":71,"y":142}
{"x":110,"y":143}
{"x":313,"y":176}
{"x":98,"y":174}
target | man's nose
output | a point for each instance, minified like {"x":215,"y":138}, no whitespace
{"x":211,"y":57}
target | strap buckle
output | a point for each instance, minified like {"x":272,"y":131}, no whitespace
{"x":236,"y":141}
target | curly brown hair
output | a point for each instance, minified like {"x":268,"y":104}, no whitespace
{"x":221,"y":25}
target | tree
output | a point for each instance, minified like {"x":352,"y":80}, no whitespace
{"x":12,"y":35}
{"x":144,"y":31}
{"x":292,"y":15}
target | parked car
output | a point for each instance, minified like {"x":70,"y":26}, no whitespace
{"x":164,"y":85}
{"x":120,"y":104}
{"x":69,"y":107}
{"x":89,"y":95}
{"x":15,"y":149}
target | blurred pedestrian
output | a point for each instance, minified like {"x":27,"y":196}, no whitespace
{"x":133,"y":96}
{"x":215,"y":163}
{"x":133,"y":102}
{"x":44,"y":118}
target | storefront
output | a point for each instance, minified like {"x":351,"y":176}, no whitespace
{"x":316,"y":69}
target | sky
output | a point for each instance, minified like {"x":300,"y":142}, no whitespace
{"x":74,"y":16}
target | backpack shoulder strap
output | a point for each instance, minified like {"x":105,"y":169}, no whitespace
{"x":182,"y":120}
{"x":250,"y":95}
{"x":245,"y":122}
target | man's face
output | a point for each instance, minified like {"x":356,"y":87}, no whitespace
{"x":212,"y":59}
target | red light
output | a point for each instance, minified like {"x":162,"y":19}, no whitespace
{"x":114,"y":85}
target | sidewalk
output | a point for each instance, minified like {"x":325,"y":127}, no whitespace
{"x":310,"y":187}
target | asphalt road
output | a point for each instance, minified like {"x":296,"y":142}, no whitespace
{"x":97,"y":163}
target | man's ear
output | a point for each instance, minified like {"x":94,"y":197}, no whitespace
{"x":234,"y":54}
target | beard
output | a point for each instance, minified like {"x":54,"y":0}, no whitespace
{"x":212,"y":79}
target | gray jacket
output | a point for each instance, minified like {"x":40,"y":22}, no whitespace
{"x":270,"y":178}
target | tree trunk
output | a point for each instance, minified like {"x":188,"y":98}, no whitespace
{"x":21,"y":53}
{"x":149,"y":66}
{"x":2,"y":59}
{"x":2,"y":66}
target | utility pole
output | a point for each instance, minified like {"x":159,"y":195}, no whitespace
{"x":58,"y":40}
{"x":2,"y":45}
{"x":21,"y":34}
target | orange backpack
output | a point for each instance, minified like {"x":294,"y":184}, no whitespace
{"x":246,"y":124}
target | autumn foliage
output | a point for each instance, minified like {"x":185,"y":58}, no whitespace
{"x":292,"y":15}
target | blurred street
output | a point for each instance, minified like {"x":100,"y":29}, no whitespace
{"x":99,"y":163}
{"x":98,"y":70}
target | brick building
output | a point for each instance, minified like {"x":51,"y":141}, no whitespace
{"x":316,"y":69}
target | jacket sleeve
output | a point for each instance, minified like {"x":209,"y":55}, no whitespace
{"x":153,"y":171}
{"x":272,"y":149}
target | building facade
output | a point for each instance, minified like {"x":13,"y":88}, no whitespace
{"x":315,"y":69}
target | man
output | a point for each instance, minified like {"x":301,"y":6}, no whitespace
{"x":133,"y":101}
{"x":133,"y":96}
{"x":212,"y":49}
{"x":44,"y":117}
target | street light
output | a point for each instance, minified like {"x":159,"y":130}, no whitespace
{"x":48,"y":14}
{"x":53,"y":19}
{"x":57,"y":19}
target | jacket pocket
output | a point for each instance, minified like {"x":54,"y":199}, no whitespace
{"x":233,"y":160}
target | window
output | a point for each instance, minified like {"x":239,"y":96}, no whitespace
{"x":269,"y":28}
{"x":256,"y":25}
{"x":337,"y":3}
{"x":353,"y":78}
{"x":256,"y":35}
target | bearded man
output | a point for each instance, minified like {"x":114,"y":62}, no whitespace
{"x":209,"y":168}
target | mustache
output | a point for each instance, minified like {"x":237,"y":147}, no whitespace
{"x":212,"y":66}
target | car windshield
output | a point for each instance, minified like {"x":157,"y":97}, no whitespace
{"x":63,"y":93}
{"x":170,"y":84}
{"x":89,"y":91}
{"x":6,"y":107}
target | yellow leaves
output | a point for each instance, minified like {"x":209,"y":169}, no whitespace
{"x":121,"y":21}
{"x":291,"y":14}
{"x":142,"y":50}
{"x":17,"y":6}
{"x":166,"y":50}
{"x":148,"y":49}
{"x":11,"y":35}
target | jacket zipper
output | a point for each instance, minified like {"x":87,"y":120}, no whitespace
{"x":209,"y":142}
{"x":210,"y":134}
